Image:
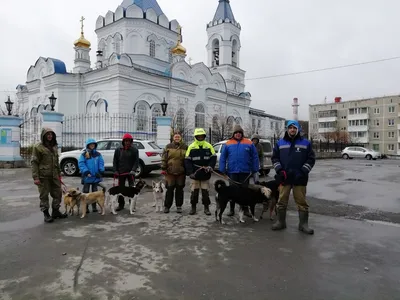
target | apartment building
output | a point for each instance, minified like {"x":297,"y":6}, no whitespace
{"x":374,"y":122}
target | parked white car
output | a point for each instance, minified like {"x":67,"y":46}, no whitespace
{"x":149,"y":156}
{"x":360,"y":152}
{"x":267,"y":146}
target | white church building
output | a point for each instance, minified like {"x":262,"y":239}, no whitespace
{"x":141,"y":62}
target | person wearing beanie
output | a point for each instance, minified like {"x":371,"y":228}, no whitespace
{"x":239,"y":158}
{"x":293,"y":159}
{"x":91,"y":166}
{"x":125,"y":163}
{"x":173,"y":168}
{"x":200,"y":160}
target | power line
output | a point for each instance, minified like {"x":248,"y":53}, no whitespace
{"x":248,"y":79}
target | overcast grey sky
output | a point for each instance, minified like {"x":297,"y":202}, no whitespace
{"x":277,"y":37}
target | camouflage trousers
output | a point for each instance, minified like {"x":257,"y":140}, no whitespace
{"x":50,"y":186}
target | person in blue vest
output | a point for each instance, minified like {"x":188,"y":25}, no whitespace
{"x":293,"y":159}
{"x":91,"y":166}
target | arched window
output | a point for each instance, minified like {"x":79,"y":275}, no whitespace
{"x":200,"y":116}
{"x":141,"y":117}
{"x":156,"y":112}
{"x":238,"y":121}
{"x":180,"y":120}
{"x":215,"y":53}
{"x":229,"y":125}
{"x":234,"y":53}
{"x":152,"y":49}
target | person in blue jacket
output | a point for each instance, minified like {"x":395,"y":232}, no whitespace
{"x":91,"y":166}
{"x":293,"y":159}
{"x":239,"y":158}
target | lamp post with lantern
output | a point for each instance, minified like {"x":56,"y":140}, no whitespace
{"x":52,"y":101}
{"x":9,"y":105}
{"x":164,"y":106}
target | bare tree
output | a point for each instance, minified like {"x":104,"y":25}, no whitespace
{"x":221,"y":128}
{"x":337,"y":135}
{"x":181,"y":122}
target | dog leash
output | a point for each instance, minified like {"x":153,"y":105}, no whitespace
{"x":222,"y":176}
{"x":123,"y":174}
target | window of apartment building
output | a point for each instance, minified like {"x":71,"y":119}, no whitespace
{"x":357,"y":111}
{"x":390,"y":147}
{"x":259,"y":124}
{"x":390,"y":134}
{"x":315,"y":126}
{"x":358,"y":122}
{"x":377,"y":111}
{"x":376,"y":135}
{"x":375,"y":147}
{"x":376,"y":122}
{"x":391,"y":109}
{"x":391,"y":122}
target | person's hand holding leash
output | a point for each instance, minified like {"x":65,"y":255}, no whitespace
{"x":208,"y":169}
{"x":163,"y":173}
{"x":132,"y":173}
{"x":36,"y":181}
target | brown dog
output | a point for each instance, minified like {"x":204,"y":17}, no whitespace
{"x":94,"y":197}
{"x":71,"y":199}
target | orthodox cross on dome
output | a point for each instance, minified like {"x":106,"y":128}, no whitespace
{"x":81,"y":20}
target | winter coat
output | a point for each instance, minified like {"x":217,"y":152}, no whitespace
{"x":200,"y":153}
{"x":295,"y":156}
{"x":91,"y":162}
{"x":173,"y":158}
{"x":125,"y":160}
{"x":44,"y":161}
{"x":240,"y":156}
{"x":260,"y":149}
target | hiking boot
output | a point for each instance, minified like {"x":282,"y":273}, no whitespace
{"x":166,"y":210}
{"x":47,"y":217}
{"x":207,"y":210}
{"x":193,"y":210}
{"x":303,"y":223}
{"x":56,"y":214}
{"x":94,"y":207}
{"x":179,"y":210}
{"x":281,"y":222}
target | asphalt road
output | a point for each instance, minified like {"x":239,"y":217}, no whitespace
{"x":170,"y":256}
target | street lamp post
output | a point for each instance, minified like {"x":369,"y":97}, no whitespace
{"x":9,"y":105}
{"x":164,"y":106}
{"x":52,"y":101}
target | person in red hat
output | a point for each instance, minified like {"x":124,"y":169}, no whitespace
{"x":125,"y":163}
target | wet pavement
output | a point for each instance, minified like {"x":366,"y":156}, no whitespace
{"x":169,"y":256}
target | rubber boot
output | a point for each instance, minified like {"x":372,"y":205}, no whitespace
{"x":94,"y":207}
{"x":194,"y":199}
{"x":303,"y":223}
{"x":166,"y":210}
{"x":281,"y":222}
{"x":232,"y":209}
{"x":47,"y":217}
{"x":56,"y":214}
{"x":179,"y":210}
{"x":207,"y":210}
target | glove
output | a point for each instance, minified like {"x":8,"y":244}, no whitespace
{"x":60,"y":178}
{"x":192,"y":176}
{"x":163,"y":172}
{"x":281,"y":176}
{"x":98,"y":175}
{"x":36,"y":181}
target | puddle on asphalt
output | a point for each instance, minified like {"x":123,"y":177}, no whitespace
{"x":26,"y":223}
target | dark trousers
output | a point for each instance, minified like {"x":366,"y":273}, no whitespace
{"x":174,"y":183}
{"x":121,"y":182}
{"x":241,"y":178}
{"x":86,"y":189}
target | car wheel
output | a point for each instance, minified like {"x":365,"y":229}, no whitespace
{"x":70,"y":167}
{"x":140,"y":170}
{"x":345,"y":156}
{"x":369,"y":157}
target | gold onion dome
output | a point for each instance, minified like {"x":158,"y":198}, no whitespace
{"x":179,"y":49}
{"x":82,"y":42}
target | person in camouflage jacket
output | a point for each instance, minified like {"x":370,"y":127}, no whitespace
{"x":46,"y":174}
{"x":173,"y":167}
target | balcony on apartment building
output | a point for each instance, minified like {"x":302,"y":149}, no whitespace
{"x":327,"y":129}
{"x":327,"y":116}
{"x":358,"y":113}
{"x":358,"y":128}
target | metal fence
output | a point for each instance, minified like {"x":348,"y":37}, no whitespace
{"x":77,"y":129}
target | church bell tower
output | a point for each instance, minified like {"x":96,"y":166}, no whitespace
{"x":223,"y":47}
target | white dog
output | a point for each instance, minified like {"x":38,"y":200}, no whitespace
{"x":159,"y":191}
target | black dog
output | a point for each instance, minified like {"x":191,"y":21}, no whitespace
{"x":270,"y":206}
{"x":243,"y":195}
{"x":130,"y":192}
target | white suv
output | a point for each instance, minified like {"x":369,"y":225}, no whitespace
{"x":149,"y":156}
